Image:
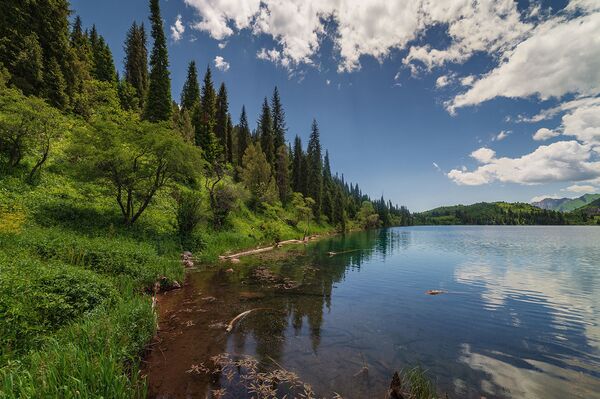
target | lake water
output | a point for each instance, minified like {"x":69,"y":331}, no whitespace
{"x":519,"y":316}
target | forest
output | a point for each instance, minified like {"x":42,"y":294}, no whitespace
{"x":105,"y":179}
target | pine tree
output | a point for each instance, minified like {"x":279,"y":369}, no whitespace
{"x":282,"y":173}
{"x":204,"y":122}
{"x":265,"y":133}
{"x":315,"y":167}
{"x":279,"y":126}
{"x":136,"y":61}
{"x":340,"y":216}
{"x":297,"y":170}
{"x":229,"y":139}
{"x":190,"y":94}
{"x":82,"y":56}
{"x":244,"y":137}
{"x":103,"y":64}
{"x":55,"y":85}
{"x":328,"y":189}
{"x":222,"y":110}
{"x":158,"y":102}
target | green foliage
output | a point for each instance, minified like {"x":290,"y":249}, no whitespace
{"x":158,"y":101}
{"x":315,"y":168}
{"x":128,"y":96}
{"x":188,"y":216}
{"x":265,"y":133}
{"x":136,"y":158}
{"x":282,"y":172}
{"x":28,"y":128}
{"x":256,"y":176}
{"x":367,"y":217}
{"x":221,"y":118}
{"x":244,"y":138}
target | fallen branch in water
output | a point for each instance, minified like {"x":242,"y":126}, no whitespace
{"x":435,"y":292}
{"x":239,"y":317}
{"x":266,"y":249}
{"x":331,"y":253}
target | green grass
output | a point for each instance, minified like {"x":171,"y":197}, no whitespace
{"x":75,"y":314}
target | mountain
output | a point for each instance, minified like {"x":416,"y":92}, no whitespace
{"x":550,"y":203}
{"x":566,"y":204}
{"x":490,"y":213}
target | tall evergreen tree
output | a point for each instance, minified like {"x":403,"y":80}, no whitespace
{"x":265,"y":133}
{"x":328,"y":189}
{"x":103,"y":64}
{"x":297,"y":170}
{"x":282,"y":173}
{"x":244,"y":136}
{"x":222,"y":110}
{"x":56,"y":88}
{"x":229,"y":139}
{"x":315,"y":169}
{"x":158,"y":102}
{"x":136,"y":61}
{"x":190,"y":94}
{"x":279,"y":126}
{"x":205,"y":121}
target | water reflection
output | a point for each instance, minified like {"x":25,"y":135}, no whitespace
{"x":520,"y":319}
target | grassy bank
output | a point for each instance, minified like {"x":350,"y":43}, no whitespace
{"x":75,"y":284}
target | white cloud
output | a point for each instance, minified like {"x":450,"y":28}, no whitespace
{"x":583,"y":123}
{"x":221,"y":64}
{"x":560,"y":57}
{"x":539,"y":198}
{"x":328,"y":82}
{"x":177,"y":29}
{"x":483,"y":155}
{"x":502,"y":135}
{"x":222,"y":45}
{"x":442,"y":81}
{"x":544,"y":134}
{"x":560,"y":161}
{"x":437,"y":167}
{"x":581,"y":189}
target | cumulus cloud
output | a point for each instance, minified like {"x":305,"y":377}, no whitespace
{"x":177,"y":29}
{"x":443,"y":81}
{"x":544,"y":134}
{"x":560,"y":161}
{"x":559,"y":57}
{"x":221,"y":64}
{"x":581,"y":189}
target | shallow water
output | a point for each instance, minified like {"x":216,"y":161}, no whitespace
{"x":519,"y":316}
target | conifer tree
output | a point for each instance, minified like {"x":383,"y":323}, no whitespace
{"x":158,"y":102}
{"x":340,"y":216}
{"x":279,"y":126}
{"x":282,"y":174}
{"x":103,"y":64}
{"x":82,"y":56}
{"x":297,"y":170}
{"x":222,"y":110}
{"x":265,"y":133}
{"x":328,"y":189}
{"x":204,"y":122}
{"x":190,"y":94}
{"x":229,"y":139}
{"x":244,"y":137}
{"x":315,"y":167}
{"x":136,"y":61}
{"x":56,"y":88}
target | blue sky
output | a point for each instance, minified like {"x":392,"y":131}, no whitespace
{"x":411,"y":98}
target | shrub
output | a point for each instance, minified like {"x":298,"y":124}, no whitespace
{"x":187,"y":215}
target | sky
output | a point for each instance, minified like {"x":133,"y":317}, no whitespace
{"x":427,"y":102}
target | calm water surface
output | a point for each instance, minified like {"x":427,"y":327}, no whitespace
{"x":520,"y":319}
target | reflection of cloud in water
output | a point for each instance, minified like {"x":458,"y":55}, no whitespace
{"x":537,"y":380}
{"x":555,"y":290}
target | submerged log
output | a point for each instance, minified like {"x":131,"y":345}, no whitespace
{"x":435,"y":292}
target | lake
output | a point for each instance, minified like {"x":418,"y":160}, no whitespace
{"x":519,"y":316}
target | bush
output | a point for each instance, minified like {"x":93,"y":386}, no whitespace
{"x":187,"y":215}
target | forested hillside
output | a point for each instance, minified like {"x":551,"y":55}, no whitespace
{"x":495,"y":213}
{"x":105,"y":179}
{"x":566,"y":204}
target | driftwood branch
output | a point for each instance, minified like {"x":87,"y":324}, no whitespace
{"x":239,"y":317}
{"x":266,"y":249}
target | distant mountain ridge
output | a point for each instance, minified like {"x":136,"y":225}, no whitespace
{"x":566,"y":204}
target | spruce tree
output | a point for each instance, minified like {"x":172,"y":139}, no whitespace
{"x":204,"y":122}
{"x":222,"y":110}
{"x":158,"y":102}
{"x":315,"y":167}
{"x":265,"y":133}
{"x":56,"y":88}
{"x":282,"y":174}
{"x":136,"y":61}
{"x":297,"y":170}
{"x":279,"y":126}
{"x":328,"y":189}
{"x":229,"y":139}
{"x":103,"y":64}
{"x":244,"y":137}
{"x":190,"y":94}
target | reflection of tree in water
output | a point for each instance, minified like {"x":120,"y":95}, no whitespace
{"x":316,"y":274}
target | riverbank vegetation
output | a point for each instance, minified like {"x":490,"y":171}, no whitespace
{"x":104,"y":180}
